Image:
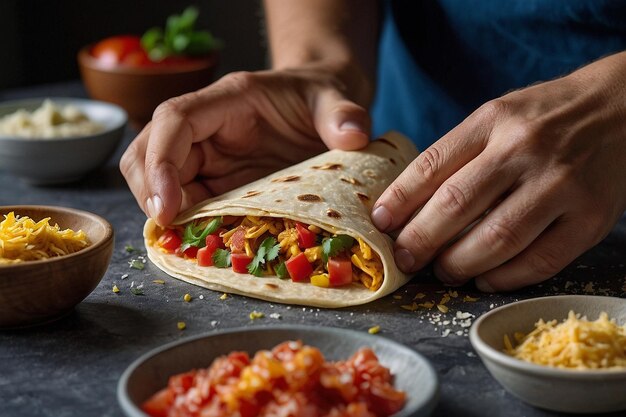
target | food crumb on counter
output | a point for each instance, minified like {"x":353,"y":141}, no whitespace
{"x":115,"y":289}
{"x":124,"y":276}
{"x":214,"y":323}
{"x":224,"y":296}
{"x":201,"y":297}
{"x":158,"y":281}
{"x":275,"y":316}
{"x":181,"y":325}
{"x":374,"y":329}
{"x":256,"y":315}
{"x":187,"y":298}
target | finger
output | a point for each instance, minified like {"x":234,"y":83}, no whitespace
{"x":132,"y":166}
{"x":176,"y":125}
{"x":460,"y":200}
{"x":552,"y":251}
{"x":505,"y":232}
{"x":419,"y":181}
{"x":341,"y":123}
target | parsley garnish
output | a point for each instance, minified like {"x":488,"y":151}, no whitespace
{"x":130,"y":248}
{"x":221,"y":258}
{"x":196,"y":236}
{"x":333,"y":245}
{"x":281,"y":271}
{"x":136,"y":264}
{"x":268,"y":251}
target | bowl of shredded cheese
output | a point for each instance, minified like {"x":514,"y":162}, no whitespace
{"x":51,"y":258}
{"x":563,"y":353}
{"x":58,"y":140}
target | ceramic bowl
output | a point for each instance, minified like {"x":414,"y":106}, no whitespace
{"x":572,"y":391}
{"x":148,"y":374}
{"x":61,"y":160}
{"x":139,"y":90}
{"x":36,"y":292}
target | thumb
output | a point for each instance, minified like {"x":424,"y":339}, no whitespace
{"x":341,"y":123}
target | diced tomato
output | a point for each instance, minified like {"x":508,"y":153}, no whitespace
{"x":238,"y":240}
{"x":214,"y":241}
{"x":170,"y":241}
{"x":159,"y":404}
{"x":339,"y":271}
{"x":205,"y":254}
{"x":306,"y":238}
{"x":181,"y":383}
{"x":299,"y":268}
{"x":240,"y":262}
{"x":191,"y":251}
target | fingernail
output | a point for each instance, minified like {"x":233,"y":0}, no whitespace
{"x":404,"y":260}
{"x":154,"y":205}
{"x":381,"y":218}
{"x":351,"y":125}
{"x":483,"y":285}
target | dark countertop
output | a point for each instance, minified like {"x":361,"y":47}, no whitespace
{"x":71,"y":367}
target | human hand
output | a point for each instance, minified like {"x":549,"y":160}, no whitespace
{"x":242,"y":127}
{"x":542,"y":172}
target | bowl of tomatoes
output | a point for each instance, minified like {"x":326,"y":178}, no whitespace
{"x":140,"y":72}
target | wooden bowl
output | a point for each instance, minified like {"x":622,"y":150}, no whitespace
{"x":36,"y":292}
{"x":139,"y":90}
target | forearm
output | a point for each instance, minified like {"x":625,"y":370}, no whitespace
{"x":338,"y":35}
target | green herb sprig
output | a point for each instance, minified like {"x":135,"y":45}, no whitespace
{"x":195,"y":235}
{"x":179,"y":37}
{"x":268,"y":251}
{"x":221,"y":258}
{"x":333,"y":245}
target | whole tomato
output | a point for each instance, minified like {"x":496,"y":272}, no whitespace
{"x":122,"y":49}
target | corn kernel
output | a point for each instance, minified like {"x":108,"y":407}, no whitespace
{"x":187,"y":298}
{"x":181,"y":325}
{"x":373,"y":330}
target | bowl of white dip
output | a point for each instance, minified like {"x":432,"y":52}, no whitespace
{"x":58,"y":140}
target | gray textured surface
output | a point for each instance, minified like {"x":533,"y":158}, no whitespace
{"x":71,"y":367}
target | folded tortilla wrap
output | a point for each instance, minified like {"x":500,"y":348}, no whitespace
{"x":334,"y":191}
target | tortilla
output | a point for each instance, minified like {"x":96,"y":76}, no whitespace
{"x":334,"y":191}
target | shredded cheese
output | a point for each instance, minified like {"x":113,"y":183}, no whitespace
{"x":576,"y":343}
{"x":23,"y":239}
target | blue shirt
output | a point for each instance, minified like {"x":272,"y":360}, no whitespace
{"x":441,"y":59}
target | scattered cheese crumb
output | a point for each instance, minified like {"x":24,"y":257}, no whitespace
{"x":181,"y":325}
{"x":256,"y":315}
{"x":275,"y":316}
{"x":201,"y":297}
{"x":373,"y":329}
{"x":115,"y":289}
{"x":224,"y":296}
{"x":124,"y":276}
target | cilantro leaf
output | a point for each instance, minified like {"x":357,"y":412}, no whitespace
{"x":130,"y":248}
{"x":221,"y":258}
{"x":136,"y":264}
{"x":333,"y":245}
{"x":268,"y":251}
{"x":196,"y":236}
{"x":281,"y":271}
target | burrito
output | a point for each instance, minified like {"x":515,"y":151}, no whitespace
{"x":302,"y":235}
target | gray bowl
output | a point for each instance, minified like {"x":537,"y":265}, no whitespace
{"x":61,"y":160}
{"x":148,"y":374}
{"x":572,"y":391}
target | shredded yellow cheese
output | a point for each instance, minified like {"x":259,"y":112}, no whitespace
{"x":576,"y":343}
{"x":23,"y":239}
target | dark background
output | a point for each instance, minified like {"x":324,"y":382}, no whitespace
{"x":39,"y":39}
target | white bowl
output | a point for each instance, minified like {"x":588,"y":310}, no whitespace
{"x":572,"y":391}
{"x":61,"y":160}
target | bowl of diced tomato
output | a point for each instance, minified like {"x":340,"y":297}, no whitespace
{"x":280,"y":371}
{"x":140,"y":72}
